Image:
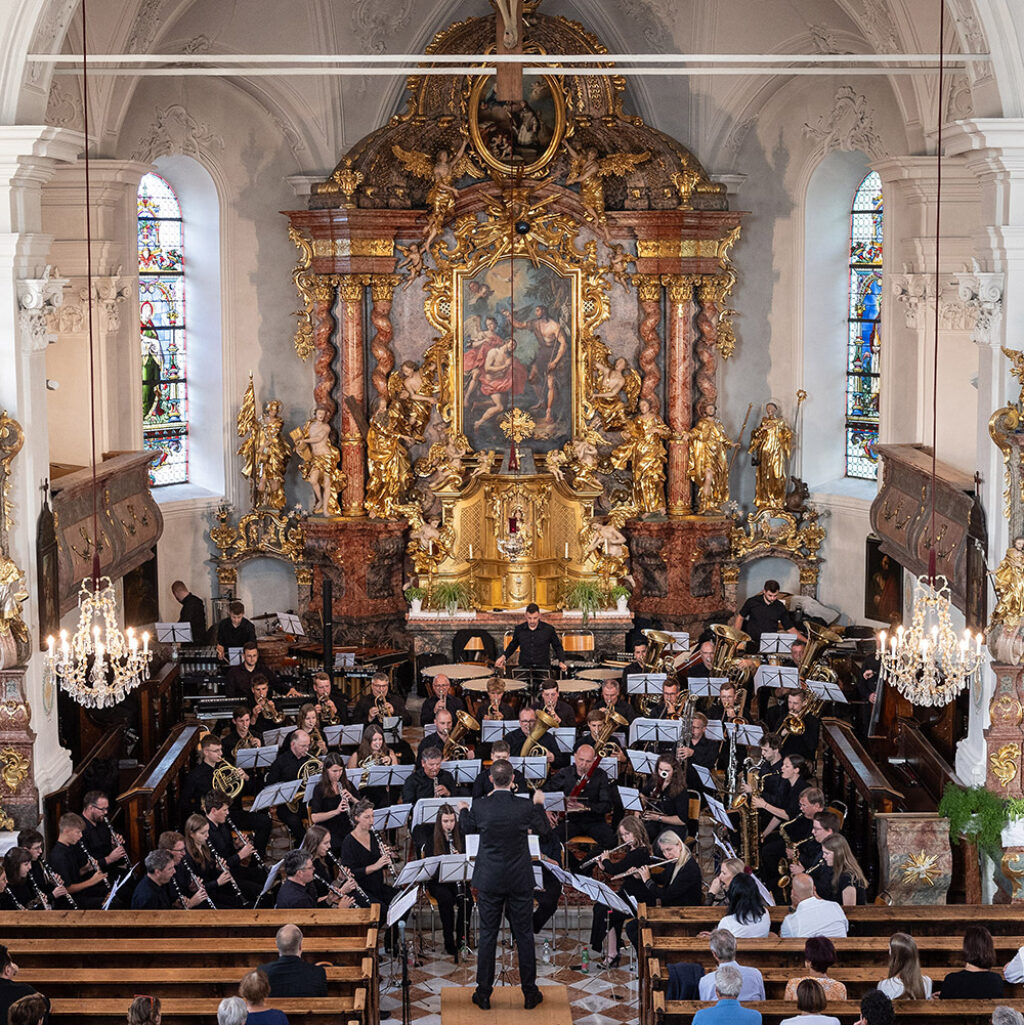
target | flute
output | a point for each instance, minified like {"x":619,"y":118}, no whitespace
{"x":604,"y":854}
{"x":57,"y":881}
{"x":654,"y":864}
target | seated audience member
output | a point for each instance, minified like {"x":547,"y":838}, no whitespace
{"x":1014,"y":969}
{"x":811,"y":1001}
{"x":819,"y":957}
{"x":30,"y":1010}
{"x":976,"y":981}
{"x":12,"y":992}
{"x":848,"y":882}
{"x":232,"y":1011}
{"x":728,"y":1011}
{"x":876,"y":1009}
{"x":723,"y":947}
{"x":904,"y":978}
{"x":289,"y":975}
{"x":718,"y":891}
{"x":144,"y":1010}
{"x":254,"y":990}
{"x":812,"y":916}
{"x":748,"y":915}
{"x":1001,"y":1015}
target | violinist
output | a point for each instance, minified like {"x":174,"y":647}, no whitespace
{"x":330,"y":890}
{"x":482,"y":785}
{"x":665,"y":799}
{"x":362,"y":854}
{"x":633,"y":851}
{"x":554,"y":704}
{"x":333,"y":799}
{"x":679,"y":884}
{"x":454,"y":900}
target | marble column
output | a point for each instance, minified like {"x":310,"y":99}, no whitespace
{"x":648,"y":294}
{"x":382,"y":291}
{"x":353,"y":386}
{"x":711,"y":293}
{"x":29,"y":156}
{"x":323,"y":291}
{"x":679,"y":389}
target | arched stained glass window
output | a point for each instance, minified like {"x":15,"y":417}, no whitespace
{"x":864,"y":340}
{"x":162,"y":316}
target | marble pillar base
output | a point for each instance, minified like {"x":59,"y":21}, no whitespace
{"x":19,"y":796}
{"x":1004,"y":738}
{"x":914,"y":856}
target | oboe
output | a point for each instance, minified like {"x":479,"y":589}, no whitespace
{"x":57,"y":881}
{"x":222,"y":865}
{"x":198,"y":884}
{"x":361,"y":894}
{"x":255,"y":852}
{"x":94,"y":864}
{"x":118,"y":841}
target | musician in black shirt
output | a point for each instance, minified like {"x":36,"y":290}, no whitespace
{"x":611,"y":697}
{"x":249,"y":876}
{"x":297,"y":890}
{"x":441,"y":698}
{"x":98,"y":836}
{"x":239,"y":679}
{"x":290,"y":759}
{"x":193,"y":611}
{"x":554,"y":704}
{"x":517,"y":740}
{"x":234,"y":631}
{"x":483,"y":785}
{"x":429,"y":780}
{"x":593,"y":799}
{"x":535,"y":641}
{"x":762,"y":614}
{"x":637,"y":666}
{"x":153,"y":891}
{"x":84,"y":880}
{"x":804,"y":743}
{"x":329,"y":702}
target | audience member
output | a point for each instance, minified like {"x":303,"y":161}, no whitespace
{"x":976,"y":981}
{"x":723,"y":947}
{"x":11,"y":991}
{"x":728,"y":1011}
{"x":849,"y":884}
{"x":232,"y":1011}
{"x":875,"y":1009}
{"x":254,"y":990}
{"x":812,"y":916}
{"x":819,"y":957}
{"x":1014,"y":969}
{"x":748,"y":915}
{"x":718,"y":891}
{"x":289,"y":975}
{"x":1003,"y":1015}
{"x":30,"y":1010}
{"x":811,"y":1001}
{"x":144,"y":1010}
{"x":904,"y":978}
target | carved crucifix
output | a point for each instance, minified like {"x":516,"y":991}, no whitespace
{"x":509,"y":39}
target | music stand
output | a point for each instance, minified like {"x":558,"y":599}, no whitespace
{"x":417,"y":871}
{"x":718,"y":812}
{"x":532,"y":841}
{"x":827,"y":691}
{"x":680,"y":639}
{"x":256,"y":757}
{"x":117,"y":886}
{"x":454,"y":868}
{"x":564,"y":738}
{"x":274,"y":737}
{"x":496,"y":729}
{"x":535,"y":767}
{"x":426,"y":809}
{"x":342,"y":735}
{"x":630,"y":797}
{"x":465,"y":770}
{"x":554,"y":802}
{"x":276,"y":793}
{"x":401,"y":906}
{"x":707,"y":781}
{"x":269,"y":882}
{"x":392,"y":816}
{"x":645,"y":683}
{"x":611,"y":767}
{"x":642,"y":761}
{"x":748,"y":735}
{"x":713,"y":730}
{"x":776,"y":644}
{"x":388,"y":775}
{"x":392,"y":728}
{"x":655,"y":731}
{"x":344,"y":659}
{"x":706,"y":688}
{"x":174,"y":634}
{"x":777,"y":676}
{"x":234,"y":656}
{"x":290,"y":624}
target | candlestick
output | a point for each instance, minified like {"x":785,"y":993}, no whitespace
{"x":471,"y":551}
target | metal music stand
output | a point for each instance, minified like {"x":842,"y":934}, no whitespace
{"x":276,"y":793}
{"x":645,"y":683}
{"x":706,"y":688}
{"x":497,"y":729}
{"x":777,"y":676}
{"x":534,"y":768}
{"x":643,"y":762}
{"x":256,"y":757}
{"x":776,"y":644}
{"x":465,"y":770}
{"x":655,"y":731}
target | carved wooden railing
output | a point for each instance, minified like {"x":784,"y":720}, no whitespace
{"x":920,"y":763}
{"x":159,"y":708}
{"x":851,"y":774}
{"x":151,"y":804}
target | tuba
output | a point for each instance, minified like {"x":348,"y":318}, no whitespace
{"x":453,"y":748}
{"x":725,"y":662}
{"x":228,"y":778}
{"x":655,"y":661}
{"x":605,"y":746}
{"x":532,"y":745}
{"x":811,"y":666}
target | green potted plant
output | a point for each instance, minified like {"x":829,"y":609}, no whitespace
{"x":450,"y":595}
{"x":585,"y":595}
{"x":414,"y":596}
{"x":620,"y":595}
{"x":978,"y":817}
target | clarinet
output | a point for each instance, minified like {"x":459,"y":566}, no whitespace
{"x":57,"y":881}
{"x":255,"y":852}
{"x":118,"y":841}
{"x":385,"y":851}
{"x":360,"y":893}
{"x":94,"y":864}
{"x":331,"y":888}
{"x":222,"y":865}
{"x":40,"y":896}
{"x":180,"y":896}
{"x":198,"y":884}
{"x":460,"y":885}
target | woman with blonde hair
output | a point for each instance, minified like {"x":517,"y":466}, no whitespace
{"x":606,"y":928}
{"x":718,"y":891}
{"x":904,"y":978}
{"x":679,"y":883}
{"x":849,"y":884}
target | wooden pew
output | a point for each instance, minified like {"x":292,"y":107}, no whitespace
{"x":186,"y":1011}
{"x":151,"y":804}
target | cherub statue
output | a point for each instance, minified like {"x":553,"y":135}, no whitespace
{"x":555,"y":462}
{"x":588,"y":170}
{"x":618,"y":264}
{"x":444,"y":463}
{"x":441,"y":172}
{"x":413,"y":256}
{"x":611,"y":382}
{"x":485,"y":462}
{"x":709,"y":461}
{"x":409,"y":393}
{"x":770,"y":445}
{"x":320,"y":463}
{"x":608,"y":546}
{"x":582,"y":451}
{"x":389,"y":470}
{"x":1008,"y":581}
{"x":644,"y":452}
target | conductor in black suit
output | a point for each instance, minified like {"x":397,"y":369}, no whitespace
{"x":503,"y":877}
{"x":535,"y":641}
{"x":289,"y":975}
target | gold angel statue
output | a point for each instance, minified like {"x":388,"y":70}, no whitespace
{"x":410,"y":394}
{"x":320,"y":463}
{"x":441,"y":172}
{"x":15,"y":647}
{"x":1008,"y":580}
{"x":709,"y":461}
{"x":264,"y":451}
{"x":612,"y":382}
{"x":644,"y":452}
{"x":389,"y":475}
{"x":770,"y":446}
{"x":589,"y":171}
{"x":444,"y":463}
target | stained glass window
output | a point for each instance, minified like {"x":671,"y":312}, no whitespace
{"x":863,"y":348}
{"x":162,"y":330}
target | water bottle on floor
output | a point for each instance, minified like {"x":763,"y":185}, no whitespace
{"x":546,"y":955}
{"x":585,"y":967}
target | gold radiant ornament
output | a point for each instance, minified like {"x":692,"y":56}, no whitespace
{"x":921,"y":868}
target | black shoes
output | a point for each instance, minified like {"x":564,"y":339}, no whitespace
{"x":533,"y":999}
{"x":484,"y":1003}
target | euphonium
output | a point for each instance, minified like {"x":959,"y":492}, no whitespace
{"x":605,"y":746}
{"x":228,"y":778}
{"x":656,"y":662}
{"x":452,"y":746}
{"x":544,"y":723}
{"x":724,"y":661}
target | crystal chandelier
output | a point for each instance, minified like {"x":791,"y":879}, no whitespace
{"x":928,"y":664}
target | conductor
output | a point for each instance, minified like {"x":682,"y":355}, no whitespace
{"x":503,"y":877}
{"x":535,"y":641}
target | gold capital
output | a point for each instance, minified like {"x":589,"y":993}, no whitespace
{"x":714,"y":289}
{"x":382,"y":287}
{"x":323,"y":290}
{"x":680,"y":287}
{"x":350,"y":287}
{"x":648,"y":287}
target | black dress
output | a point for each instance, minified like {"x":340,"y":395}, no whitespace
{"x":605,"y":919}
{"x":19,"y":897}
{"x":965,"y":985}
{"x":356,"y":858}
{"x":663,"y":803}
{"x":454,"y":901}
{"x":341,"y":825}
{"x":207,"y":871}
{"x":682,"y":891}
{"x":845,"y":880}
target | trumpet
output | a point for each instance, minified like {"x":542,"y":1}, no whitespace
{"x":324,"y":716}
{"x":267,"y":708}
{"x":384,"y":709}
{"x":57,"y":881}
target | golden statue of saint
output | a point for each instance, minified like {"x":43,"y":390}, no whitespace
{"x":1008,"y":580}
{"x":644,"y":451}
{"x":709,"y":462}
{"x":320,"y":463}
{"x":770,"y":446}
{"x":390,"y":470}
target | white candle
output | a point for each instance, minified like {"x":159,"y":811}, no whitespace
{"x":471,"y":551}
{"x":567,"y":549}
{"x":49,"y":645}
{"x":881,"y":640}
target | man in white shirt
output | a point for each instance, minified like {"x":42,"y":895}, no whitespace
{"x":812,"y":916}
{"x":1014,"y":971}
{"x":723,"y":947}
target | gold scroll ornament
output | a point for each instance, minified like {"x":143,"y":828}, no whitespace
{"x":1005,"y":763}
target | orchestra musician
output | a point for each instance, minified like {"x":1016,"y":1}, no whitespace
{"x":441,"y":698}
{"x":535,"y":642}
{"x":82,"y":877}
{"x":297,"y":890}
{"x":186,"y":893}
{"x":239,"y":679}
{"x":606,"y":928}
{"x":517,"y":738}
{"x":153,"y":891}
{"x":263,"y":713}
{"x":98,"y":835}
{"x":810,"y":856}
{"x":764,"y":613}
{"x":429,"y":780}
{"x":703,"y":670}
{"x":309,"y":721}
{"x":699,"y":751}
{"x":362,"y":854}
{"x":200,"y":863}
{"x":806,"y":743}
{"x":193,"y":611}
{"x":20,"y":892}
{"x":671,"y":704}
{"x":482,"y":785}
{"x":221,"y":838}
{"x":595,"y":722}
{"x":795,"y":773}
{"x":554,"y":704}
{"x":32,"y":841}
{"x":436,"y":739}
{"x":293,"y":755}
{"x":495,"y":707}
{"x":585,"y":813}
{"x":679,"y":884}
{"x":725,"y":708}
{"x":331,"y":706}
{"x":330,"y":890}
{"x":367,"y":710}
{"x":666,"y":799}
{"x":454,"y":900}
{"x":333,"y":800}
{"x":234,"y":631}
{"x":611,"y":697}
{"x":240,"y":735}
{"x":637,"y":665}
{"x":372,"y":750}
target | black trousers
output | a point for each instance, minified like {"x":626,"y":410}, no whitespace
{"x":453,"y":911}
{"x":547,"y":901}
{"x":519,"y":909}
{"x":293,"y":820}
{"x":257,"y":821}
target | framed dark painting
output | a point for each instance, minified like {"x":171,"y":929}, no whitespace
{"x":883,"y":584}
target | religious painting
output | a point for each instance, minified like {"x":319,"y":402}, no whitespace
{"x":518,"y":135}
{"x":516,"y":349}
{"x":883,"y":584}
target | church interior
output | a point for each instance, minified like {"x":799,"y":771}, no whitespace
{"x":363,"y":333}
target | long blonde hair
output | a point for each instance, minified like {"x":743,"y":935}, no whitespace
{"x":905,"y":965}
{"x":670,"y":836}
{"x":843,"y":859}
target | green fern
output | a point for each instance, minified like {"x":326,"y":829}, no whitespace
{"x":977,"y":815}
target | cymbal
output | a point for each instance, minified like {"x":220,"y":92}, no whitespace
{"x":600,"y":674}
{"x":458,"y":671}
